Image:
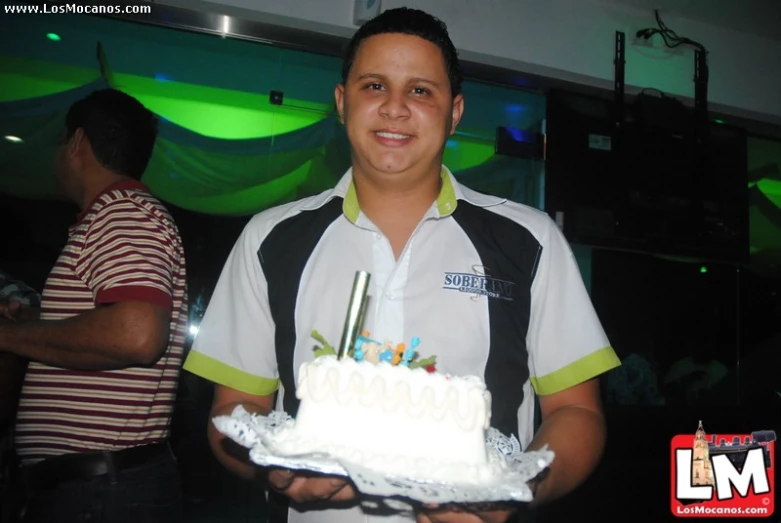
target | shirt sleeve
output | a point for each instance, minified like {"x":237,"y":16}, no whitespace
{"x":126,"y":256}
{"x":566,"y":341}
{"x":234,"y":346}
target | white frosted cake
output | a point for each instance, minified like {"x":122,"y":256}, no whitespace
{"x":391,"y":417}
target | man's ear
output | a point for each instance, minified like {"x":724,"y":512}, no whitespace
{"x":339,"y":98}
{"x":77,"y":142}
{"x":458,"y":111}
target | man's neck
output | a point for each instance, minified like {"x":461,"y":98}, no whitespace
{"x":390,"y":200}
{"x":97,"y":183}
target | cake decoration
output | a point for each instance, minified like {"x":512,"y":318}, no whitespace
{"x":367,"y":349}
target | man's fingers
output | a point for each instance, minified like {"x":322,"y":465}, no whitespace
{"x":5,"y":311}
{"x":11,"y":310}
{"x":345,"y":493}
{"x":307,"y":489}
{"x":281,"y":479}
{"x":434,"y":508}
{"x":450,"y":513}
{"x":318,"y":489}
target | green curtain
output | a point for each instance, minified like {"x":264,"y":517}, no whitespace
{"x":218,"y":176}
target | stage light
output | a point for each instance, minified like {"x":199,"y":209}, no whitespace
{"x":54,"y":37}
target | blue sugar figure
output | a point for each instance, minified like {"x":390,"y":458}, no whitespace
{"x":362,"y":339}
{"x":410,"y":352}
{"x":386,"y":356}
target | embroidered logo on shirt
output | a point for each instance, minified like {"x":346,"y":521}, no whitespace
{"x":479,"y":283}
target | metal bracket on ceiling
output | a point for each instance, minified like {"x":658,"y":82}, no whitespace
{"x":105,"y":70}
{"x":619,"y":86}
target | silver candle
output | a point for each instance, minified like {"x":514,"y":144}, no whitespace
{"x":355,"y":312}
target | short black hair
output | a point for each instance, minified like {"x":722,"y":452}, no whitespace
{"x":410,"y":22}
{"x":120,"y":129}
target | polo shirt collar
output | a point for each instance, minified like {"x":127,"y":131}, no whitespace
{"x":447,"y":201}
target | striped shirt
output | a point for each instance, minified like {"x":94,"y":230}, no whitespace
{"x":125,"y":246}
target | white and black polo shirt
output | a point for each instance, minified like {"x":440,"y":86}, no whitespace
{"x":489,"y":286}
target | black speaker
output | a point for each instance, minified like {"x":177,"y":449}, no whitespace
{"x":519,"y":143}
{"x":654,"y":182}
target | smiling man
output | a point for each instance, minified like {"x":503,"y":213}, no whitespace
{"x":519,"y":315}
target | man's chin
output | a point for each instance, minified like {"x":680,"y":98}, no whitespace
{"x":392,"y":166}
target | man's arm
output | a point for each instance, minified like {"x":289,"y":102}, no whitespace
{"x":576,"y":410}
{"x":301,"y":488}
{"x":108,"y":337}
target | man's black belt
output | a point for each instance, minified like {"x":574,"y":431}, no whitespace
{"x":87,"y":465}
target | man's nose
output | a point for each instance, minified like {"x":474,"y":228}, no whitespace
{"x":395,"y":105}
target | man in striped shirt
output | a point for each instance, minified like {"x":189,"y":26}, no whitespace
{"x":106,"y":354}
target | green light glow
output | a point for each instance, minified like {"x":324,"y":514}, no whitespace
{"x":217,"y":113}
{"x":221,"y":113}
{"x":24,"y":79}
{"x":771,"y":189}
{"x":703,"y":269}
{"x":54,"y":37}
{"x":467,"y":152}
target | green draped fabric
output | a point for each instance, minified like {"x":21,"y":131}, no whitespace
{"x":217,"y":176}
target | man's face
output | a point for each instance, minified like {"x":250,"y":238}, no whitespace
{"x":397,"y":106}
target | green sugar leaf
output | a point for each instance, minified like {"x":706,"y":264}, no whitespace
{"x":432,"y":360}
{"x":326,"y":349}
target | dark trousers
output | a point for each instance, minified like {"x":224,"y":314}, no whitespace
{"x":149,"y":492}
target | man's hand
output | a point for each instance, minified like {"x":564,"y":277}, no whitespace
{"x":303,"y":487}
{"x":299,"y":486}
{"x":468,"y":513}
{"x":16,"y":311}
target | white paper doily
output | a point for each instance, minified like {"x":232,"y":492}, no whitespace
{"x":509,"y":469}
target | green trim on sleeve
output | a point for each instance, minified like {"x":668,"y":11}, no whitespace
{"x":577,"y":372}
{"x":218,"y":372}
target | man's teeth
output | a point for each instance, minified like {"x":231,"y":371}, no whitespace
{"x":392,"y":136}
